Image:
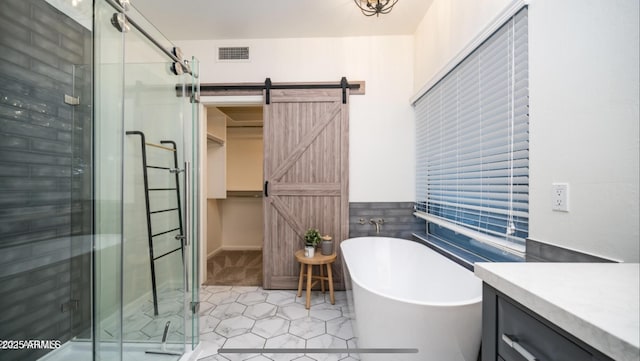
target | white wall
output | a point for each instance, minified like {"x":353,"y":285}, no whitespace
{"x":242,"y":218}
{"x":448,"y":26}
{"x":214,"y":227}
{"x":584,"y":124}
{"x":244,"y":159}
{"x":242,"y":223}
{"x":584,"y":112}
{"x":381,"y":138}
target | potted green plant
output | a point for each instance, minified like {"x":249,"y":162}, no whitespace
{"x":311,"y":240}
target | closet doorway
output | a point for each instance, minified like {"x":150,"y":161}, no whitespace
{"x":303,"y":132}
{"x":234,"y":173}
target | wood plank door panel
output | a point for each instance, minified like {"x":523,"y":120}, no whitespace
{"x":306,"y":167}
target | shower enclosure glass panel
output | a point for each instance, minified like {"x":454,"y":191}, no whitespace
{"x":143,"y":300}
{"x":153,"y":264}
{"x":75,"y":266}
{"x":108,"y":139}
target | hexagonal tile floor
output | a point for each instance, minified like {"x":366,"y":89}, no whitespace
{"x":140,"y":324}
{"x":251,"y":317}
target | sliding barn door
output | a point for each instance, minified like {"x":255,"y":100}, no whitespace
{"x":306,"y":177}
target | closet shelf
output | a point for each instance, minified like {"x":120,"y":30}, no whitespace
{"x":244,"y":194}
{"x":215,"y":139}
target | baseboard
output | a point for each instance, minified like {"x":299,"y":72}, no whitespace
{"x":214,"y":252}
{"x":233,"y":248}
{"x":241,"y":248}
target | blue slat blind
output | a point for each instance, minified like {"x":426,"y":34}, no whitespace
{"x":472,"y":142}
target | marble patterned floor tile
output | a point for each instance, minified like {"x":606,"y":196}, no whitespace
{"x":213,"y":339}
{"x":208,"y":323}
{"x":215,"y":357}
{"x":135,"y":322}
{"x":284,"y":341}
{"x":146,"y":308}
{"x":228,"y":310}
{"x":326,"y":341}
{"x":223,"y":297}
{"x":170,"y":294}
{"x":307,"y":327}
{"x":156,"y":327}
{"x":281,"y":298}
{"x":339,"y":297}
{"x":204,"y":292}
{"x":216,"y":289}
{"x":234,"y":326}
{"x":348,"y":312}
{"x":353,"y":344}
{"x":247,"y":340}
{"x":259,"y":358}
{"x":317,"y":297}
{"x":205,"y":308}
{"x":271,"y":327}
{"x":135,"y":336}
{"x":167,"y":308}
{"x":252,"y":297}
{"x":251,"y":317}
{"x":210,"y":343}
{"x":325,"y":311}
{"x":293,"y":311}
{"x":245,"y":289}
{"x":261,"y":310}
{"x":340,"y":327}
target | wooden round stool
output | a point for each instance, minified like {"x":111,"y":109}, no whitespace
{"x":320,"y":260}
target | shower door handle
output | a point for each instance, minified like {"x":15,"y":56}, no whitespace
{"x":187,"y":222}
{"x":187,"y":203}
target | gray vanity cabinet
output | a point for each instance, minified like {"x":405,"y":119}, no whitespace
{"x":511,"y":332}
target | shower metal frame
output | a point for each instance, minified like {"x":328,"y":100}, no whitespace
{"x":175,"y":54}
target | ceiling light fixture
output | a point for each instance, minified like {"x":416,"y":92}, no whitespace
{"x":375,"y":7}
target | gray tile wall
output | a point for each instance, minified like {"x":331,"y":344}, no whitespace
{"x":545,"y":252}
{"x":45,"y":175}
{"x":399,"y":221}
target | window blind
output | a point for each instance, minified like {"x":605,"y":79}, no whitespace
{"x":472,"y":142}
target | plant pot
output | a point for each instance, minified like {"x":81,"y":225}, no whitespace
{"x":309,"y":251}
{"x":326,"y":245}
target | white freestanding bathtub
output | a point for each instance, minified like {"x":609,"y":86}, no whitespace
{"x":405,"y":295}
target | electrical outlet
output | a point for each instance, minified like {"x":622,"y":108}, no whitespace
{"x":560,"y":197}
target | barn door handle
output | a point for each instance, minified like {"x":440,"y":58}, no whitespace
{"x":266,"y":188}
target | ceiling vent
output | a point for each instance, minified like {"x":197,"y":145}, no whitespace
{"x":236,"y":53}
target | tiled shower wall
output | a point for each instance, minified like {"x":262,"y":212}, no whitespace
{"x":45,"y":176}
{"x":399,"y":221}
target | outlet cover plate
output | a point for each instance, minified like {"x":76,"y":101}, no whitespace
{"x":560,"y":197}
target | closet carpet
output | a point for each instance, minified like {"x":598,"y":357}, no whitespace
{"x":235,"y":268}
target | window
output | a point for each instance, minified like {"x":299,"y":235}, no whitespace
{"x":472,"y":144}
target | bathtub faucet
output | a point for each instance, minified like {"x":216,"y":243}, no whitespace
{"x":377,"y":222}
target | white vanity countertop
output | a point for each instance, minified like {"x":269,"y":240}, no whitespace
{"x":599,"y":303}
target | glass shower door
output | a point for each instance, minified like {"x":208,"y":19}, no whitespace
{"x":143,"y":298}
{"x":154,"y":278}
